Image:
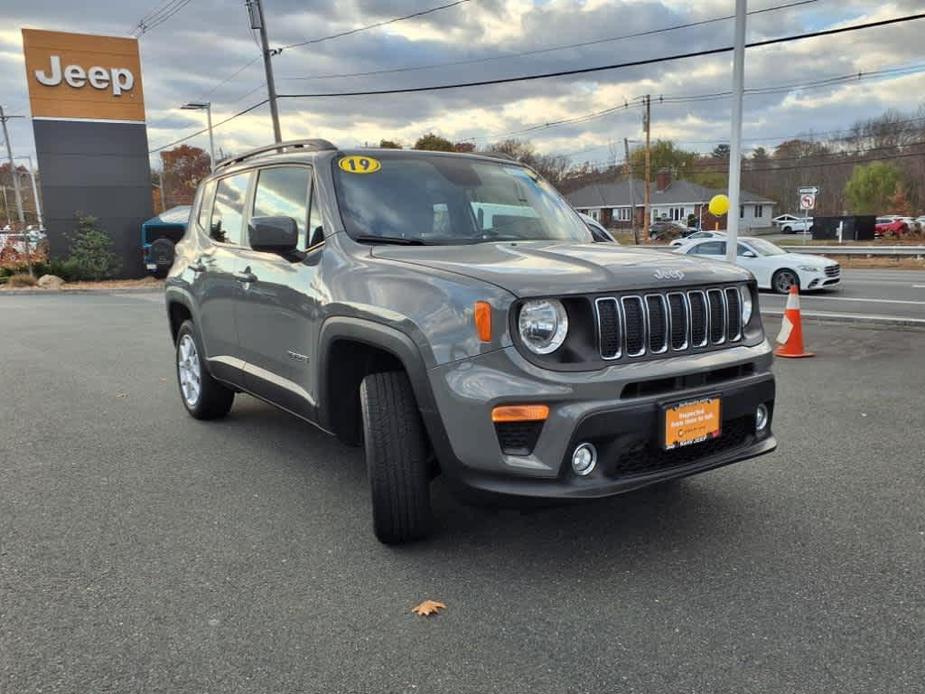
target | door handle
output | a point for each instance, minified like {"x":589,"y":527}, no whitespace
{"x":245,"y":277}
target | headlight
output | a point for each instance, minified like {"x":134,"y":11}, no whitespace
{"x":811,"y":268}
{"x":746,"y":305}
{"x":543,"y":325}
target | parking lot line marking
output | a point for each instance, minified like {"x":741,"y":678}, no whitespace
{"x":804,"y":297}
{"x":867,"y":317}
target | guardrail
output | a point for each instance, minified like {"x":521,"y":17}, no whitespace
{"x":858,"y":250}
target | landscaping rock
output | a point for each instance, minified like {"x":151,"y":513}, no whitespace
{"x":50,"y":282}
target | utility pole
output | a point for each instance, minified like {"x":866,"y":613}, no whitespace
{"x":255,"y":11}
{"x":15,"y":176}
{"x":629,"y":169}
{"x":35,"y":192}
{"x":648,"y":126}
{"x":735,"y":141}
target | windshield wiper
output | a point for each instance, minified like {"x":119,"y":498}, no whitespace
{"x":397,"y":240}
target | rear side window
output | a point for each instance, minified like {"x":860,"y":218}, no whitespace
{"x":282,"y":191}
{"x":227,"y":222}
{"x":205,"y":205}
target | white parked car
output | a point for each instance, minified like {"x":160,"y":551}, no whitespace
{"x":791,"y":224}
{"x":773,"y":267}
{"x":677,"y":243}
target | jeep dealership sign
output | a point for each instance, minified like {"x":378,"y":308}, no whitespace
{"x":88,"y":116}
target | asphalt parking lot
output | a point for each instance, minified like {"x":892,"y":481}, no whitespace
{"x":141,"y":550}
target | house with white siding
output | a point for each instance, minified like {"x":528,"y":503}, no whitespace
{"x":616,"y":204}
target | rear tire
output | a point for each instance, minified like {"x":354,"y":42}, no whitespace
{"x":202,"y":396}
{"x":787,"y":230}
{"x":397,"y":458}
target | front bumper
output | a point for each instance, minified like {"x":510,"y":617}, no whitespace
{"x":604,"y":408}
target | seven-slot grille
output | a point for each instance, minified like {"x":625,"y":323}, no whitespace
{"x":666,"y":322}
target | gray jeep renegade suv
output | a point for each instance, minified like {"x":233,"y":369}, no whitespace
{"x":451,"y":313}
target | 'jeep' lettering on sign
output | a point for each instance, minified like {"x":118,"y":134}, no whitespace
{"x":121,"y":79}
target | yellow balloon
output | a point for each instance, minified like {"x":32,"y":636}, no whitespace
{"x":719,"y":205}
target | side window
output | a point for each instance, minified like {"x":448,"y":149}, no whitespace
{"x":741,"y":250}
{"x":205,"y":205}
{"x":282,"y":191}
{"x":227,"y":221}
{"x":711,"y":248}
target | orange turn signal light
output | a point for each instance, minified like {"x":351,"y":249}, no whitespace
{"x":483,"y":320}
{"x":520,"y":413}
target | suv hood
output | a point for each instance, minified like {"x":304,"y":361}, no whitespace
{"x":545,"y":268}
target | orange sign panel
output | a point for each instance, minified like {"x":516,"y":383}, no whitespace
{"x":692,"y":422}
{"x":83,"y":76}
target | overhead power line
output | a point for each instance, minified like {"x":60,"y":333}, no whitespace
{"x":383,"y":23}
{"x":613,"y":66}
{"x":159,"y":16}
{"x":550,"y":49}
{"x":329,"y":37}
{"x":637,"y":101}
{"x":785,"y":39}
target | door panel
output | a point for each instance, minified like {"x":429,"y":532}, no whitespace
{"x":215,"y":286}
{"x":279,"y":311}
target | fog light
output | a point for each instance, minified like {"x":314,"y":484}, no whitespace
{"x":761,"y":418}
{"x":584,"y":459}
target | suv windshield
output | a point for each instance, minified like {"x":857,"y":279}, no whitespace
{"x":440,"y":199}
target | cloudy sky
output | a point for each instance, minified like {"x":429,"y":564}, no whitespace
{"x":191,"y":56}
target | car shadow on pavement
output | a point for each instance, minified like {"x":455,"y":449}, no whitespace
{"x":651,"y":520}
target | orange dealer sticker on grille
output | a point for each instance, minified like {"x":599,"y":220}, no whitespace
{"x":691,"y":422}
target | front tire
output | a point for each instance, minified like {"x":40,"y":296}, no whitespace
{"x":783,"y":280}
{"x":397,"y":458}
{"x":202,"y":396}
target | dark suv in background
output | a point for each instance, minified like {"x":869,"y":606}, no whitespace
{"x":452,"y":314}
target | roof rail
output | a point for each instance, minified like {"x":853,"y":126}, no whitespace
{"x":497,"y":155}
{"x":314,"y":145}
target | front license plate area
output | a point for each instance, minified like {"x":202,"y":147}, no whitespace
{"x":689,"y":422}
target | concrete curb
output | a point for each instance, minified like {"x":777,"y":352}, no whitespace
{"x":102,"y":290}
{"x":872,"y":320}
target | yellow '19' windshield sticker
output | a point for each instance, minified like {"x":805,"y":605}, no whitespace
{"x":359,"y":164}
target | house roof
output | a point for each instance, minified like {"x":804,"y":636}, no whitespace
{"x":617,"y":194}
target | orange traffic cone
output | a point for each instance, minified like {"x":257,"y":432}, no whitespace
{"x":791,"y":330}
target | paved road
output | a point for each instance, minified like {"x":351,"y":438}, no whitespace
{"x":141,"y":550}
{"x":873,"y":295}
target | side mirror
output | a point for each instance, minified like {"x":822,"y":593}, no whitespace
{"x":273,"y":234}
{"x":749,"y":254}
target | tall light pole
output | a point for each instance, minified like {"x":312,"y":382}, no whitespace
{"x":35,"y":191}
{"x":255,"y":11}
{"x":207,"y":107}
{"x":735,"y":140}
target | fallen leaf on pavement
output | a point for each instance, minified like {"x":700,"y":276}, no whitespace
{"x":428,"y":607}
{"x":121,"y":395}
